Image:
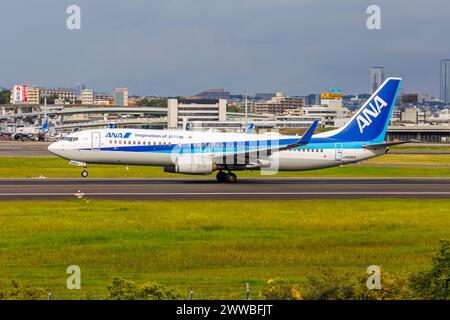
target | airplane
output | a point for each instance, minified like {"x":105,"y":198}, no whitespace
{"x":185,"y":152}
{"x":29,"y":133}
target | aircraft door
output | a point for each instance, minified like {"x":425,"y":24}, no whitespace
{"x":95,"y":141}
{"x":338,"y":151}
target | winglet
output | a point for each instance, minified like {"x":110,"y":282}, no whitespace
{"x":306,"y":138}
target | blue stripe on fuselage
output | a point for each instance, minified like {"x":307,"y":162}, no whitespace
{"x":237,"y":146}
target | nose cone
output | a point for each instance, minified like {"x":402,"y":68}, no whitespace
{"x":55,"y":148}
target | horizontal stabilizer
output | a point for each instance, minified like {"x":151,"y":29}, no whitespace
{"x":386,"y":144}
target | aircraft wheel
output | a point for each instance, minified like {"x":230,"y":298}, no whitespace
{"x":221,"y":176}
{"x":84,"y":173}
{"x":231,"y":177}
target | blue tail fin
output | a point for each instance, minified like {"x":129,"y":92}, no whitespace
{"x":249,"y":128}
{"x":45,"y":125}
{"x":371,"y":121}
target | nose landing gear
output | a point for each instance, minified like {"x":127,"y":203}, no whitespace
{"x":83,"y":165}
{"x":226,"y":177}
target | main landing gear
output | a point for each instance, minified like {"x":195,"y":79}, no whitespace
{"x":226,"y":177}
{"x":84,"y":173}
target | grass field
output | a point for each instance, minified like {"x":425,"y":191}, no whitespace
{"x":421,"y":147}
{"x":51,"y":167}
{"x":412,"y":159}
{"x":213,"y":247}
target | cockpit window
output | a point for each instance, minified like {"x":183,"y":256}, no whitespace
{"x":71,"y":139}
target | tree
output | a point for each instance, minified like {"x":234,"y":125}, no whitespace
{"x":329,"y":285}
{"x":22,"y":292}
{"x":156,"y":103}
{"x":233,"y":108}
{"x":278,"y":289}
{"x":434,"y":284}
{"x":50,"y":100}
{"x":122,"y":289}
{"x":5,"y":96}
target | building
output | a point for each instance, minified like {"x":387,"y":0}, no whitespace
{"x":120,"y":97}
{"x":64,"y":95}
{"x":103,"y":99}
{"x":445,"y":81}
{"x":441,"y":116}
{"x":179,"y":110}
{"x":331,"y":99}
{"x":216,"y":93}
{"x":78,"y":88}
{"x":410,"y":98}
{"x":423,"y":133}
{"x":87,"y":96}
{"x":33,"y":95}
{"x":410,"y":115}
{"x":313,"y":99}
{"x":22,"y":94}
{"x":376,"y":78}
{"x":278,"y":105}
{"x":329,"y":114}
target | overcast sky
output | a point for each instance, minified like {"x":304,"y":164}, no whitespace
{"x":181,"y":47}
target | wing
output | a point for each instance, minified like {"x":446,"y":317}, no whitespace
{"x":255,"y":148}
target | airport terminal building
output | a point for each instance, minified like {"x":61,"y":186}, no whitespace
{"x":190,"y":110}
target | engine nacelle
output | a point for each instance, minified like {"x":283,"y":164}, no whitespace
{"x":192,"y":165}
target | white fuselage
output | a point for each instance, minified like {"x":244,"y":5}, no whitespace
{"x":161,"y":148}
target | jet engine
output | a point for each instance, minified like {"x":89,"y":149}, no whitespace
{"x":192,"y":165}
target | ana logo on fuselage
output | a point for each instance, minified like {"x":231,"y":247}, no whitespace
{"x":118,"y":135}
{"x":366,"y":116}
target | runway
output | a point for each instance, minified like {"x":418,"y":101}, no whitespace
{"x":209,"y":189}
{"x":24,"y":149}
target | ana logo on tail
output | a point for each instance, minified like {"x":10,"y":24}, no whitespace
{"x":365,"y":118}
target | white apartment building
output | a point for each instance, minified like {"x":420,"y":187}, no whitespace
{"x":33,"y":95}
{"x":329,"y":115}
{"x":195,"y":110}
{"x":277,"y":105}
{"x":87,"y":96}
